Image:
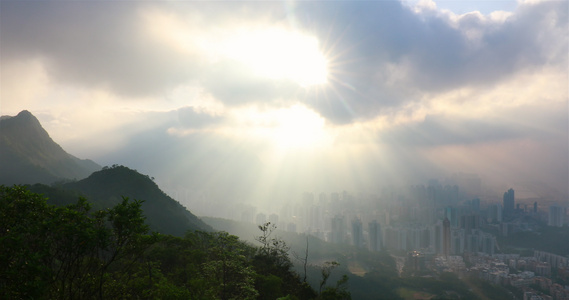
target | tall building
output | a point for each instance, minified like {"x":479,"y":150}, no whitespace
{"x":338,"y":230}
{"x":357,"y":233}
{"x":475,"y":204}
{"x":457,"y":241}
{"x":556,"y":216}
{"x":509,"y":202}
{"x":488,"y":243}
{"x":495,"y":213}
{"x":437,"y":237}
{"x":469,"y":222}
{"x":446,"y":237}
{"x":375,"y":237}
{"x":452,"y":214}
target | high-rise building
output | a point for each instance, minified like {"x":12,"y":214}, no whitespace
{"x":556,"y":216}
{"x":475,"y":204}
{"x":488,"y":244}
{"x":446,"y":237}
{"x":357,"y":233}
{"x":375,"y":236}
{"x":457,"y":241}
{"x":495,"y":213}
{"x":509,"y":202}
{"x":469,"y":222}
{"x":437,"y":237}
{"x":338,"y":230}
{"x":452,"y":214}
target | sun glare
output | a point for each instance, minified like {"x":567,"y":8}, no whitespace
{"x":280,"y":54}
{"x":287,"y":129}
{"x":298,"y":127}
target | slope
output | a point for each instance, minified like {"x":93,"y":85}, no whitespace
{"x":164,"y":214}
{"x":29,"y":155}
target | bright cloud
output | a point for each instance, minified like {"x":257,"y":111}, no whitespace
{"x":338,"y":91}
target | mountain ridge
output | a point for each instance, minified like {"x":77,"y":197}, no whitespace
{"x":164,"y":214}
{"x":29,"y":155}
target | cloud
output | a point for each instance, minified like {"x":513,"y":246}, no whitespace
{"x":382,"y":54}
{"x":92,"y":45}
{"x":405,"y":84}
{"x":389,"y":56}
{"x":188,"y":117}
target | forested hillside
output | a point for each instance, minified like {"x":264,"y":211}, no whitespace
{"x":72,"y":252}
{"x":106,"y":188}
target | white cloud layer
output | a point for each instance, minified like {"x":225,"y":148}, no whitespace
{"x":431,"y":89}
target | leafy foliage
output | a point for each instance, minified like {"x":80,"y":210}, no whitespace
{"x":66,"y":252}
{"x":70,"y":252}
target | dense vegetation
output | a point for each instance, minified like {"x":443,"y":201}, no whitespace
{"x":69,"y":252}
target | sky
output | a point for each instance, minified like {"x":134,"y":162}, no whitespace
{"x":257,"y":101}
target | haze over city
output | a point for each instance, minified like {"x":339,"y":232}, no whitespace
{"x":256,"y":102}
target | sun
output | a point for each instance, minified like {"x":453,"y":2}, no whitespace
{"x":278,"y":53}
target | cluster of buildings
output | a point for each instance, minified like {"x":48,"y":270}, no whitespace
{"x":434,"y":219}
{"x":530,"y":274}
{"x":439,"y":228}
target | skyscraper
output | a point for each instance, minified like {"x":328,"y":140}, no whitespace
{"x":555,"y":216}
{"x":446,"y":237}
{"x":357,"y":233}
{"x":338,"y":230}
{"x":509,"y":202}
{"x":375,"y":239}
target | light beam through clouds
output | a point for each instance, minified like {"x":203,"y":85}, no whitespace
{"x":293,"y":96}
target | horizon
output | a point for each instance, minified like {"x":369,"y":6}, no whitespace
{"x":267,"y":100}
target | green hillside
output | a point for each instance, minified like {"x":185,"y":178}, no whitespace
{"x":106,"y":188}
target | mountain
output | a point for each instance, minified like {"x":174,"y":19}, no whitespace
{"x":105,"y":188}
{"x":29,"y":155}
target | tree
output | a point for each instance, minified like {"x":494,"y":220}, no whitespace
{"x":23,"y":248}
{"x":67,"y":252}
{"x":340,"y":291}
{"x":273,"y":265}
{"x":227,"y":269}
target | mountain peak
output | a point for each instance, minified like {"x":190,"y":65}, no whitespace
{"x":25,"y":113}
{"x":29,"y":155}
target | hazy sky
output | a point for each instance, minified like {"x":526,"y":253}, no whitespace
{"x":256,"y":98}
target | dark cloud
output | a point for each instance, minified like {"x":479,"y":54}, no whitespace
{"x":94,"y":44}
{"x":388,"y":54}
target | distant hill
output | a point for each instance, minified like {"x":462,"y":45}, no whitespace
{"x":106,"y":188}
{"x":28,"y":154}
